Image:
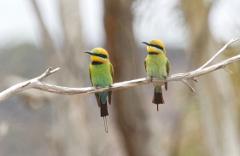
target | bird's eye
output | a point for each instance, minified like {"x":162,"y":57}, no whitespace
{"x":101,"y":55}
{"x":157,"y":46}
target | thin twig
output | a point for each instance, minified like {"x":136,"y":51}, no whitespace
{"x":184,"y":81}
{"x":48,"y":72}
{"x":219,"y":52}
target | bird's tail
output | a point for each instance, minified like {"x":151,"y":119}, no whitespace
{"x":103,"y":103}
{"x":104,"y":108}
{"x":104,"y":114}
{"x":158,"y":97}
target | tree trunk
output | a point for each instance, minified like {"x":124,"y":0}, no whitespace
{"x":132,"y":119}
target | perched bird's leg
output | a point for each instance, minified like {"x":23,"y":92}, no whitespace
{"x":97,"y":87}
{"x":165,"y":83}
{"x":151,"y":78}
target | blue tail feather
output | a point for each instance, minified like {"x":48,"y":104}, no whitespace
{"x":103,"y":97}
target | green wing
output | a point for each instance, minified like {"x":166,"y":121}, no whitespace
{"x":110,"y":92}
{"x":168,"y":70}
{"x":111,"y":70}
{"x":96,"y":94}
{"x":145,"y":65}
{"x":90,"y":75}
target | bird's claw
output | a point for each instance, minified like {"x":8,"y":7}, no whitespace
{"x":150,"y":78}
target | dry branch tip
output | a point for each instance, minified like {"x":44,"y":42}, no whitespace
{"x":184,"y":81}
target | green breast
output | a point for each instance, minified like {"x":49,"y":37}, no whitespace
{"x":101,"y":75}
{"x":156,"y":66}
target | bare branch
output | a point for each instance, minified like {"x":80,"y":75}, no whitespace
{"x":184,"y":81}
{"x":25,"y":85}
{"x":219,"y":52}
{"x":36,"y":83}
{"x":48,"y":72}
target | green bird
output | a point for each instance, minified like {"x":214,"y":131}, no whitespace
{"x":101,"y":75}
{"x":157,"y":66}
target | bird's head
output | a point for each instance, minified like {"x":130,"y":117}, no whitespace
{"x":155,"y":47}
{"x":98,"y":55}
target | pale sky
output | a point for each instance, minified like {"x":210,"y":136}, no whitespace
{"x":17,"y":21}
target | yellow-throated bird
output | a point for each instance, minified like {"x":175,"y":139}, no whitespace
{"x":101,"y":75}
{"x":157,"y":66}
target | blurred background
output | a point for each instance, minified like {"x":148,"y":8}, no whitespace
{"x":36,"y":34}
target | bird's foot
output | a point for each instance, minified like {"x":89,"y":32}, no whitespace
{"x":150,"y":78}
{"x":98,"y":87}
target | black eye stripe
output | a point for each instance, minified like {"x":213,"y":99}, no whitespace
{"x":153,"y":53}
{"x":96,"y":63}
{"x":156,"y":46}
{"x":101,"y":55}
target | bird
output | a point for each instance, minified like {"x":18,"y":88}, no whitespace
{"x":157,"y":66}
{"x":101,"y":75}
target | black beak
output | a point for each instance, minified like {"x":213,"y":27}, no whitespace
{"x":88,"y":52}
{"x":146,"y":43}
